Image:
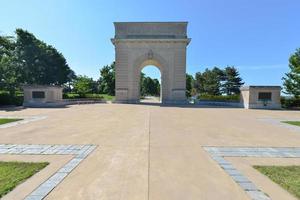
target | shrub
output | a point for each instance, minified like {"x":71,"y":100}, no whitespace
{"x":71,"y":96}
{"x":94,"y":96}
{"x":223,"y":98}
{"x":7,"y":99}
{"x":290,"y":102}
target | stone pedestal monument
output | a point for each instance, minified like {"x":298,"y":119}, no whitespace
{"x":260,"y":97}
{"x":162,"y":44}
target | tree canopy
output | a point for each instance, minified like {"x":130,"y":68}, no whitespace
{"x":24,"y":59}
{"x":107,"y":79}
{"x":217,"y":81}
{"x":149,"y":86}
{"x":84,"y":85}
{"x":209,"y":82}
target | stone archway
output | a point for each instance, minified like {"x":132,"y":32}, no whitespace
{"x":156,"y":61}
{"x":151,"y":99}
{"x":162,"y":44}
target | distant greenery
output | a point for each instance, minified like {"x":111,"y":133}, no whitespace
{"x":149,"y":86}
{"x":7,"y":120}
{"x":14,"y":173}
{"x":287,"y":177}
{"x":296,"y":123}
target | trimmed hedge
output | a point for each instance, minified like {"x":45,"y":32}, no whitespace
{"x":220,"y":98}
{"x":290,"y":102}
{"x":71,"y":96}
{"x":7,"y":99}
{"x":88,"y":96}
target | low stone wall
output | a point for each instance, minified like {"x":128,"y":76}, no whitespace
{"x":83,"y":101}
{"x":63,"y":103}
{"x":219,"y":104}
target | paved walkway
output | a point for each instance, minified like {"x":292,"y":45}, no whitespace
{"x":152,"y":152}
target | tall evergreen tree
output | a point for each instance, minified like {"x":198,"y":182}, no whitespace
{"x":292,"y":78}
{"x":199,"y":82}
{"x":212,"y":81}
{"x":232,"y":81}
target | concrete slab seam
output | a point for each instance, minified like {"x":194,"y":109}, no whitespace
{"x":25,"y":120}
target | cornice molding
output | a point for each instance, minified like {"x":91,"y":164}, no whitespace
{"x":116,"y":41}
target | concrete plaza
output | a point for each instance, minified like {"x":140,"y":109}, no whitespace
{"x":151,"y":151}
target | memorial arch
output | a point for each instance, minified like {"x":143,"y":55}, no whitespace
{"x":162,"y":44}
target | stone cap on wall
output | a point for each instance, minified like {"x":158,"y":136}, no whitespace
{"x":150,"y":30}
{"x":262,"y":87}
{"x":34,"y":86}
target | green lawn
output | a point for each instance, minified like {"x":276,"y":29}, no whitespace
{"x":287,"y":177}
{"x":14,"y":173}
{"x":6,"y":120}
{"x":296,"y":123}
{"x":108,"y":97}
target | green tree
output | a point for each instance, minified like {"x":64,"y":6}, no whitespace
{"x":107,"y":79}
{"x":68,"y":87}
{"x":189,"y":84}
{"x":40,"y":63}
{"x":291,"y":82}
{"x":9,"y":74}
{"x":149,"y":86}
{"x":232,"y":81}
{"x":27,"y":60}
{"x":84,"y":85}
{"x":211,"y":81}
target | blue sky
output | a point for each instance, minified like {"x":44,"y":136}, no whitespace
{"x":256,"y":36}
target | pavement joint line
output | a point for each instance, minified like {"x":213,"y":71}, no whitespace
{"x":218,"y":154}
{"x":279,"y":122}
{"x":79,"y":152}
{"x":25,"y":120}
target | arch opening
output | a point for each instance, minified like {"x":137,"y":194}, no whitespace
{"x":150,"y":84}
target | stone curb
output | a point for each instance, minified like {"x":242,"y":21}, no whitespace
{"x":218,"y":154}
{"x":80,"y":152}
